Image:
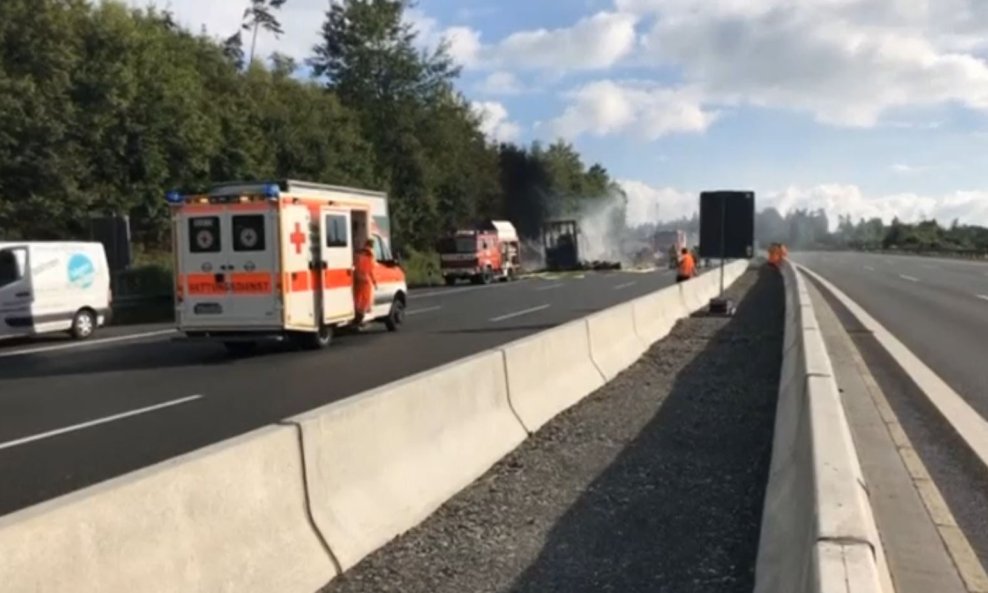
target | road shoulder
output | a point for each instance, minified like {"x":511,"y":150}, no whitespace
{"x":924,"y":548}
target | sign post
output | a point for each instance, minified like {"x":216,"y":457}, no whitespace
{"x":727,"y":231}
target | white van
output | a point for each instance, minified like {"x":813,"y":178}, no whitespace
{"x":53,"y":286}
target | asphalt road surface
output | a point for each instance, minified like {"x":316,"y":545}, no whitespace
{"x":938,"y":308}
{"x":75,"y":414}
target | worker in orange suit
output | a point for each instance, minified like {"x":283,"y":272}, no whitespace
{"x":774,"y":255}
{"x":687,"y":266}
{"x":364,"y":281}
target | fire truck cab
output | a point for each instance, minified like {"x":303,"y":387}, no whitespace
{"x":482,"y":255}
{"x":257,"y":261}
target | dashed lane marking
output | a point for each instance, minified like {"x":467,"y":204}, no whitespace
{"x":909,"y":278}
{"x":518,"y":313}
{"x":97,"y":422}
{"x":423,"y":310}
{"x":625,"y":285}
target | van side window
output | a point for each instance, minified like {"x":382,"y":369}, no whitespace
{"x":204,"y":234}
{"x":337,"y":233}
{"x":13,"y":265}
{"x":248,"y":232}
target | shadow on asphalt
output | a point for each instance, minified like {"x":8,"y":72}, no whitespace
{"x":679,"y":510}
{"x":158,"y":355}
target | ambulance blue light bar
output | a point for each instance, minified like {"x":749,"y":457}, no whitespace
{"x":271,"y":190}
{"x":173,"y":197}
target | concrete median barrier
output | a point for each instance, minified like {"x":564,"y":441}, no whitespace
{"x":818,"y":531}
{"x":614,"y":343}
{"x":381,"y":462}
{"x":227,"y":518}
{"x":538,"y":395}
{"x":657,"y":313}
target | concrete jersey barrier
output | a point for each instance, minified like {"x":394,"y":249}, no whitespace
{"x":537,"y":395}
{"x":381,"y":462}
{"x":287,"y":507}
{"x":818,"y":532}
{"x":227,"y":518}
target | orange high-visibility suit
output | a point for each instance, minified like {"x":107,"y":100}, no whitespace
{"x":687,"y":267}
{"x":774,"y":255}
{"x":364,"y":281}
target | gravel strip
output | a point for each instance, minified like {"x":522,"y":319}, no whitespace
{"x":653,"y":483}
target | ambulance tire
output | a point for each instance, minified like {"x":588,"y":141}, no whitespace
{"x":317,"y":340}
{"x":396,"y":316}
{"x":83,"y":324}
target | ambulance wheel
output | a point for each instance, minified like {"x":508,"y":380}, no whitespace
{"x":240,"y":348}
{"x":396,"y":316}
{"x":317,"y":340}
{"x":83,"y":324}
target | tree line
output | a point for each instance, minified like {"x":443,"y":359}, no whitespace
{"x":811,"y":229}
{"x":104,"y":108}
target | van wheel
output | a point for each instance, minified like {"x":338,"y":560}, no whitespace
{"x":317,"y":340}
{"x":396,"y":317}
{"x":83,"y":324}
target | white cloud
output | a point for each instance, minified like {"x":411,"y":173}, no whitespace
{"x":301,"y":20}
{"x":848,"y":62}
{"x":495,"y":123}
{"x":646,"y":112}
{"x":595,"y":42}
{"x":905,"y":169}
{"x":500,"y":83}
{"x":971,"y":207}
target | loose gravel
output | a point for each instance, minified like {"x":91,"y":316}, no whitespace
{"x":653,"y":483}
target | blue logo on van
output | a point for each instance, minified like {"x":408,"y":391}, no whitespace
{"x":82,"y":272}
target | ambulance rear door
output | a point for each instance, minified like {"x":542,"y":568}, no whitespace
{"x":252,"y":265}
{"x":336,"y":265}
{"x":199,"y":234}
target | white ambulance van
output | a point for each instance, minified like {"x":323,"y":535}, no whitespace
{"x":273,"y":261}
{"x":51,"y":286}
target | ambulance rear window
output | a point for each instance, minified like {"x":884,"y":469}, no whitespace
{"x":204,"y":234}
{"x":336,"y":231}
{"x":248,"y":232}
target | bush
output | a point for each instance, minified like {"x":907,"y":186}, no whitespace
{"x":143,"y":281}
{"x":421,"y":268}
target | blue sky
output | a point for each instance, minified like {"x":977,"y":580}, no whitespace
{"x":861,"y":107}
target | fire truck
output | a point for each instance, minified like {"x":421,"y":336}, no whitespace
{"x":481,"y":255}
{"x":261,"y":261}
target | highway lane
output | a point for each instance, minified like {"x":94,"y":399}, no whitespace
{"x":937,"y":308}
{"x":76,"y":416}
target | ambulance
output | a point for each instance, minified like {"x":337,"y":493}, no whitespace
{"x":258,"y":261}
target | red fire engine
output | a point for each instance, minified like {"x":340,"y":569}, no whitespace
{"x":481,"y":255}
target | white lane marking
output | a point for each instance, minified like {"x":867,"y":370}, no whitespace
{"x":983,"y":297}
{"x":97,"y":422}
{"x":423,"y":310}
{"x":625,"y":285}
{"x":549,"y":287}
{"x":909,"y":278}
{"x":869,"y":268}
{"x":518,"y":313}
{"x":38,"y":349}
{"x":420,"y":295}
